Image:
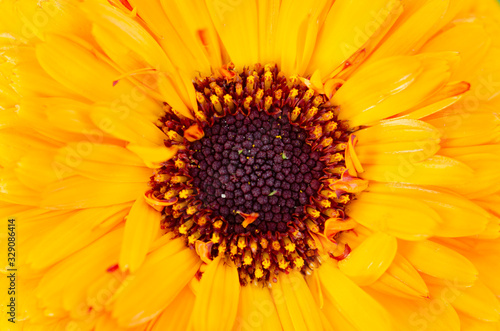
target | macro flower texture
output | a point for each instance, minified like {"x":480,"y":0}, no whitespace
{"x":250,"y":164}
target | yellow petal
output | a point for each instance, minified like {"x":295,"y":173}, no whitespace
{"x":348,"y":27}
{"x":433,"y":314}
{"x":141,"y":228}
{"x":399,"y":216}
{"x":79,"y":192}
{"x":295,"y":304}
{"x":476,"y":301}
{"x":351,"y":300}
{"x":437,"y":170}
{"x":218,"y":296}
{"x":454,"y":211}
{"x":153,"y":156}
{"x":178,"y":314}
{"x":75,"y":231}
{"x":166,"y":271}
{"x":367,"y":262}
{"x":439,"y":261}
{"x":256,"y":310}
{"x":401,"y":279}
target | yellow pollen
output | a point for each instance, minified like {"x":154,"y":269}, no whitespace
{"x":344,"y":199}
{"x":179,"y":206}
{"x":239,"y":89}
{"x":311,"y":112}
{"x":217,"y":106}
{"x":179,"y":164}
{"x":192,"y":210}
{"x":283,"y":264}
{"x":247,"y":102}
{"x":313,"y":227}
{"x":317,"y":101}
{"x":293,"y":93}
{"x":215,"y":238}
{"x":326,"y":116}
{"x":329,"y":194}
{"x":298,"y":262}
{"x":200,"y":98}
{"x":234,"y":249}
{"x":202,"y":220}
{"x":250,"y":83}
{"x":325,"y":203}
{"x":317,"y":132}
{"x":268,"y":103}
{"x":330,"y":126}
{"x":218,"y":224}
{"x":276,"y":245}
{"x":184,"y":228}
{"x":259,"y":95}
{"x":242,"y":243}
{"x":278,"y":94}
{"x":264,"y":243}
{"x":174,"y":136}
{"x":340,"y":147}
{"x":179,"y":179}
{"x":186,"y":193}
{"x":247,"y":258}
{"x":171,"y":194}
{"x":268,"y":80}
{"x":308,"y":95}
{"x":289,"y":246}
{"x":259,"y":273}
{"x":327,"y":142}
{"x":266,"y":261}
{"x":192,"y":238}
{"x":295,"y":114}
{"x":161,"y":177}
{"x":228,"y":100}
{"x":222,"y":247}
{"x":313,"y":212}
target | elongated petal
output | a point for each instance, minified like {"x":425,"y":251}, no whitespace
{"x":256,"y":310}
{"x":370,"y":260}
{"x":439,"y":261}
{"x":295,"y":304}
{"x":218,"y":296}
{"x":401,"y":279}
{"x":166,"y":271}
{"x":178,"y":314}
{"x":351,"y":300}
{"x":141,"y":228}
{"x":402,"y":217}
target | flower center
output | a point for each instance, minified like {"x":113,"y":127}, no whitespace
{"x":258,"y":164}
{"x":260,"y":174}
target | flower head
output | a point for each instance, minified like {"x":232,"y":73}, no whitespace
{"x":220,"y":165}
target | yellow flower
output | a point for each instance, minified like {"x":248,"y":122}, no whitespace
{"x":250,"y":165}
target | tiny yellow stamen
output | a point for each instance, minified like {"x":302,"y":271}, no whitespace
{"x":174,"y":136}
{"x":192,"y":210}
{"x":179,"y":179}
{"x":268,"y":80}
{"x":242,"y":242}
{"x":247,"y":102}
{"x":200,"y":98}
{"x":295,"y":114}
{"x":228,"y":100}
{"x":179,"y":164}
{"x":293,"y":93}
{"x":311,"y":113}
{"x":325,"y":204}
{"x":308,"y":95}
{"x":266,"y":261}
{"x":218,"y":224}
{"x":259,"y":95}
{"x":276,"y":245}
{"x":160,"y":178}
{"x":239,"y":89}
{"x":317,"y":101}
{"x":250,"y":84}
{"x":268,"y":103}
{"x":278,"y":94}
{"x":313,"y":212}
{"x":192,"y":238}
{"x":328,"y":141}
{"x":330,"y":127}
{"x":283,"y":264}
{"x":326,"y":116}
{"x":184,"y":228}
{"x":247,"y":257}
{"x":215,"y":238}
{"x":289,"y":245}
{"x":313,"y":227}
{"x":264,"y":243}
{"x":172,"y":193}
{"x":217,"y":105}
{"x":259,"y":272}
